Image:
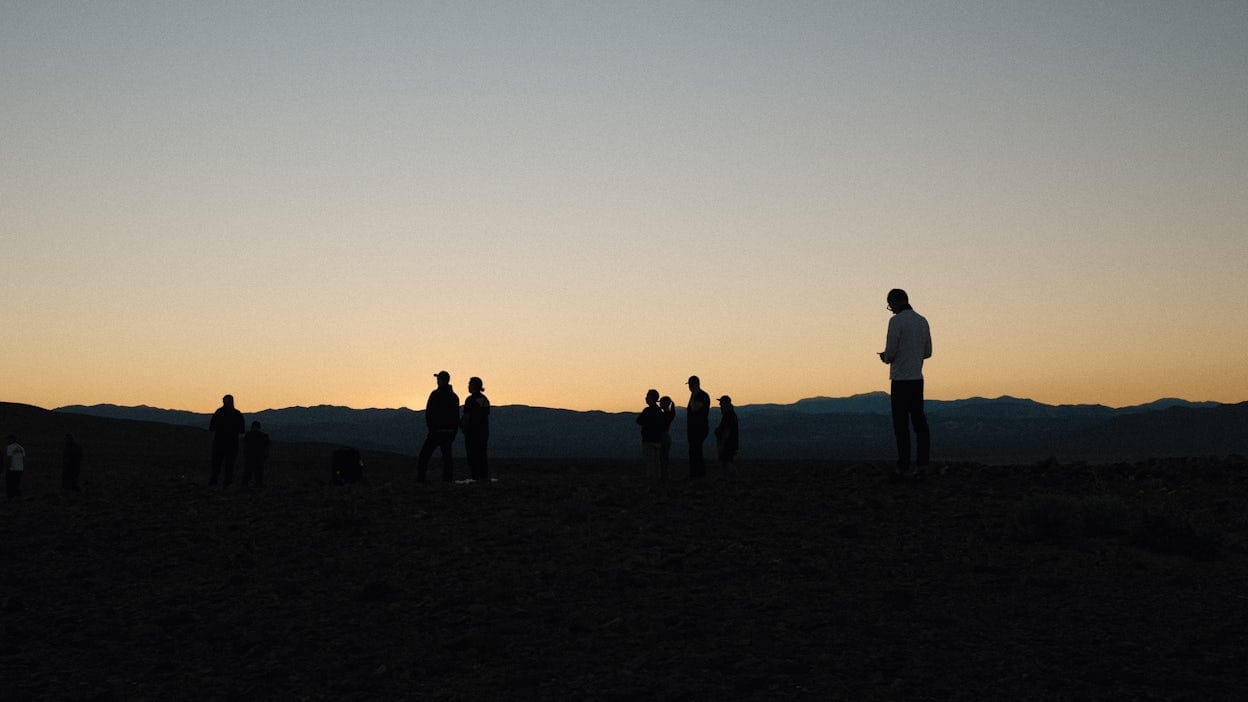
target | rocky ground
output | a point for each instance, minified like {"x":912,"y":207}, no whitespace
{"x":821,"y":580}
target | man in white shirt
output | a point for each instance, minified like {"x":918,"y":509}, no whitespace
{"x":909,"y":341}
{"x":15,"y":467}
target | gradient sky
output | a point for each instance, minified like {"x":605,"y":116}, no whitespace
{"x":325,"y":203}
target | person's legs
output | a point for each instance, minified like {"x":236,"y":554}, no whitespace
{"x":13,"y":483}
{"x":446,"y":441}
{"x":217,"y":452}
{"x":474,"y":451}
{"x":922,"y":435}
{"x":230,"y":457}
{"x":426,"y":452}
{"x":697,"y":465}
{"x":901,"y":423}
{"x":651,"y":457}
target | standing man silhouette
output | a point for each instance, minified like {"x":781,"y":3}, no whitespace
{"x":226,"y":425}
{"x":442,"y":420}
{"x":909,"y":341}
{"x":698,"y":425}
{"x":476,"y":426}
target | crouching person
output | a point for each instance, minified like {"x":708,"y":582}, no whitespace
{"x":348,"y":467}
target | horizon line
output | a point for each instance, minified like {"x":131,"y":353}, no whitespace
{"x":565,"y":409}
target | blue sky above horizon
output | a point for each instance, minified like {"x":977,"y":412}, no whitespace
{"x":307,"y":203}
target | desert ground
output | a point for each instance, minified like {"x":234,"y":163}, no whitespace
{"x":584,"y":580}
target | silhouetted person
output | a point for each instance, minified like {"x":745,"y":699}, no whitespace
{"x":346,"y":466}
{"x":255,"y":453}
{"x":653,"y":424}
{"x":71,"y":467}
{"x":726,"y":434}
{"x":226,"y":426}
{"x":698,"y":425}
{"x":14,"y":467}
{"x":442,"y":420}
{"x":909,"y":341}
{"x":476,"y":426}
{"x":665,"y":451}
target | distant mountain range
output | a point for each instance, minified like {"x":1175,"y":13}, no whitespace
{"x":857,"y":427}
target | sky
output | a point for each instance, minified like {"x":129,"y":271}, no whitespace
{"x":326,"y":203}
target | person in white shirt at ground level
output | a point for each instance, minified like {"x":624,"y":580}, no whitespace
{"x":14,"y":467}
{"x":908,"y":343}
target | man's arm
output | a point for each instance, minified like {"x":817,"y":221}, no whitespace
{"x":891,"y":341}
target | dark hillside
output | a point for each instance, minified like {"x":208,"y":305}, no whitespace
{"x":1000,"y":430}
{"x":578,"y":579}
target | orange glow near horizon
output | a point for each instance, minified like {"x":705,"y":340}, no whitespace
{"x":582,"y":203}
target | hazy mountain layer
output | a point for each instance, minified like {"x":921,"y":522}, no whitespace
{"x":1001,"y":429}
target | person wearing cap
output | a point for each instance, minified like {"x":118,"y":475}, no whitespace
{"x":442,"y":421}
{"x":653,"y":424}
{"x":697,"y":425}
{"x":476,"y":426}
{"x":726,"y":434}
{"x":908,"y":343}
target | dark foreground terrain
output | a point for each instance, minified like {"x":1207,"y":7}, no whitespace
{"x":815,"y":580}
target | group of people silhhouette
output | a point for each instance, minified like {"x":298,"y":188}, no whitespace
{"x":907,"y":344}
{"x":444,"y":421}
{"x":227,"y":425}
{"x":656,"y":439}
{"x":14,"y":459}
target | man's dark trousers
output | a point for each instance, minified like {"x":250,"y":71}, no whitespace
{"x":478,"y":461}
{"x":907,"y":398}
{"x":223,"y":456}
{"x":441,"y":440}
{"x":253,"y":467}
{"x":697,"y":464}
